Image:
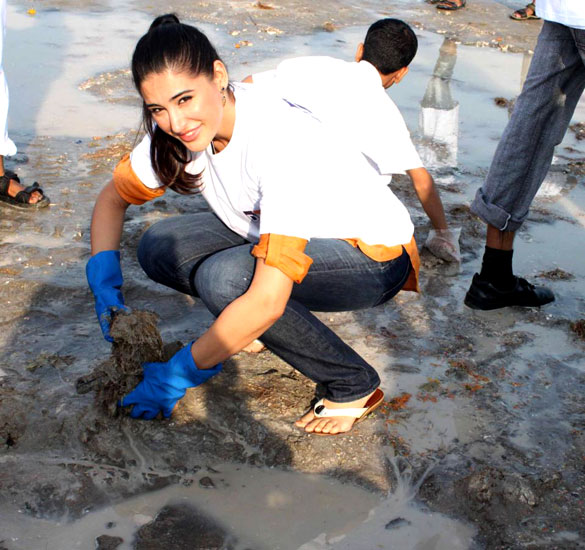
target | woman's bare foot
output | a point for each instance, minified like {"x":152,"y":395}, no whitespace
{"x":254,"y":347}
{"x":331,"y":424}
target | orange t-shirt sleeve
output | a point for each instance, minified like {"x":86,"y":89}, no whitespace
{"x":130,"y":188}
{"x":284,"y":253}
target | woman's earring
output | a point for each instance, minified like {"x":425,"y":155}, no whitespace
{"x":223,"y":98}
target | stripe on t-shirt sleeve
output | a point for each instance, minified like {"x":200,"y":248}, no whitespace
{"x":129,"y":186}
{"x":284,"y":253}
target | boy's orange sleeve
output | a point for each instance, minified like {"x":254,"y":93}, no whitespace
{"x":130,"y":188}
{"x":285,"y":253}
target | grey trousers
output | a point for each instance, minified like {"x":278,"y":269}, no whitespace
{"x":540,"y":118}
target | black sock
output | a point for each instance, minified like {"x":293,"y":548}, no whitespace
{"x":496,"y":268}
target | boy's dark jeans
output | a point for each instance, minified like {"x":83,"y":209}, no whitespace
{"x":198,"y":255}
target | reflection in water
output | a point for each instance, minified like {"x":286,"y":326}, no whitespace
{"x":439,"y":113}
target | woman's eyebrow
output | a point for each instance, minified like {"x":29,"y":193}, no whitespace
{"x":172,"y":98}
{"x":180,"y":93}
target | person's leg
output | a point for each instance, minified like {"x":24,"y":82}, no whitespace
{"x":184,"y":232}
{"x":341,"y":278}
{"x":450,"y":5}
{"x":525,"y":13}
{"x":542,"y":113}
{"x":172,"y":249}
{"x":7,"y":147}
{"x":13,"y":186}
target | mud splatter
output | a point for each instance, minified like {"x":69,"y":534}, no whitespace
{"x":114,"y":87}
{"x":183,"y":523}
{"x":578,"y":327}
{"x":502,"y":102}
{"x":579,"y":129}
{"x":108,"y":150}
{"x":556,"y":274}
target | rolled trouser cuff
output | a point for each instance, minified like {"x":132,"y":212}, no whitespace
{"x":492,"y":214}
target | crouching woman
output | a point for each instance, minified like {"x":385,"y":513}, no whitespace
{"x":298,"y":222}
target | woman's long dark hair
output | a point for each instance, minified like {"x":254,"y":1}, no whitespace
{"x":171,"y":45}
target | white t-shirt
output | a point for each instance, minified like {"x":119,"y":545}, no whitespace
{"x":286,"y":173}
{"x":567,"y":12}
{"x":350,"y":98}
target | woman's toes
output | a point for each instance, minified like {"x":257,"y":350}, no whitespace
{"x":305,"y":419}
{"x":337,"y":425}
{"x":316,"y":425}
{"x":327,"y":427}
{"x":254,"y":347}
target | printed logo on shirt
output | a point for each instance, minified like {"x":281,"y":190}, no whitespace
{"x":254,"y":215}
{"x":300,"y":107}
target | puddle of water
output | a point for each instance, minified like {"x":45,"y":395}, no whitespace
{"x":400,"y":523}
{"x":69,"y":47}
{"x":265,"y":510}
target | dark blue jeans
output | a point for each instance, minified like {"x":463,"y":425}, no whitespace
{"x":198,"y":255}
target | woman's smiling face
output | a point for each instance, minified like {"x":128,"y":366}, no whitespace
{"x":189,"y":108}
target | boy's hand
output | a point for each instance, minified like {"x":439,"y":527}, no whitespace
{"x":444,"y":244}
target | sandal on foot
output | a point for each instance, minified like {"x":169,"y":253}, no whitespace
{"x":23,"y":197}
{"x":523,"y":15}
{"x":451,"y":5}
{"x":359,"y":413}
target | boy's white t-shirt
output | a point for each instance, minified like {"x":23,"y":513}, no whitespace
{"x":350,"y":98}
{"x":570,"y":13}
{"x":286,"y":173}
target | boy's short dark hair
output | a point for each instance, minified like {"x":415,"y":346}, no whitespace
{"x":390,"y":44}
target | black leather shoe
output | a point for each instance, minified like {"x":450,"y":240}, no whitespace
{"x":484,"y":295}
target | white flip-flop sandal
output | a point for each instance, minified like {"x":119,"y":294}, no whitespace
{"x":359,"y":413}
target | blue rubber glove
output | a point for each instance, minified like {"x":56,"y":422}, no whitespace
{"x":104,"y":276}
{"x":165,"y":383}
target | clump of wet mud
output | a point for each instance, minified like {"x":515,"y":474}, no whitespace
{"x":578,"y":327}
{"x":505,"y":103}
{"x":114,"y":87}
{"x":182,"y":526}
{"x":136,"y":341}
{"x":556,"y":274}
{"x":579,"y":129}
{"x":106,"y":151}
{"x":577,"y":168}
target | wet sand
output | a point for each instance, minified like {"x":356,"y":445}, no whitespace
{"x":481,"y":443}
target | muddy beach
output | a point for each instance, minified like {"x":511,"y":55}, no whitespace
{"x":481,"y":443}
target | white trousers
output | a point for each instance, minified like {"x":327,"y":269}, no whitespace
{"x":7,"y":146}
